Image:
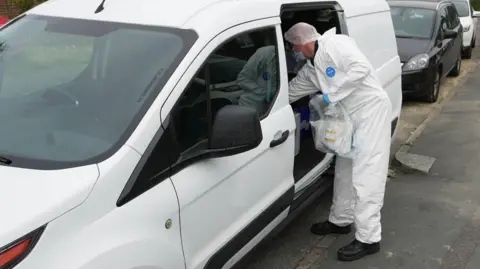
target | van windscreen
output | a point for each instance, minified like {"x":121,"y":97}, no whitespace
{"x":72,"y":91}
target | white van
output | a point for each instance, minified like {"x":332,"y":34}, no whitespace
{"x":122,"y":142}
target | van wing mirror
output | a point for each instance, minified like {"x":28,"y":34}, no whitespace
{"x":236,"y":129}
{"x":476,"y":14}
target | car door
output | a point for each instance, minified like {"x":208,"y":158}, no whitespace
{"x":446,"y":44}
{"x":228,"y":204}
{"x":456,"y":43}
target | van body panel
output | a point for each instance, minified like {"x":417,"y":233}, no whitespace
{"x":380,"y":48}
{"x":98,"y":234}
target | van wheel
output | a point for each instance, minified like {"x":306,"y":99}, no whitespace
{"x":434,"y":89}
{"x":467,"y":54}
{"x":474,"y":42}
{"x":458,"y":66}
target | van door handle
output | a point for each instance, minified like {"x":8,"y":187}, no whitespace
{"x":279,"y":141}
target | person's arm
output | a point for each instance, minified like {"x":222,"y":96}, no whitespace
{"x":346,"y":57}
{"x":301,"y":85}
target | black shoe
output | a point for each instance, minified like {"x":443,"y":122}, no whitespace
{"x":357,"y":250}
{"x":324,"y":228}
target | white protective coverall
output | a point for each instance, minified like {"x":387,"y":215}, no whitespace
{"x":343,"y":73}
{"x":259,"y":79}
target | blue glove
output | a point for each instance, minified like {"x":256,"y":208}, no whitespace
{"x":326,"y":99}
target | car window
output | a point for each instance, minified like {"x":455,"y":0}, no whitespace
{"x":412,"y":22}
{"x":440,"y":35}
{"x":243,"y":71}
{"x":462,"y":8}
{"x":444,"y":21}
{"x":454,"y":21}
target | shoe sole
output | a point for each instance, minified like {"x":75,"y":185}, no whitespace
{"x":341,"y":231}
{"x":370,"y":251}
{"x":323,"y":234}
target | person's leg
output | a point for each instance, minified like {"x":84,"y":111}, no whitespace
{"x":341,"y":211}
{"x":370,"y":169}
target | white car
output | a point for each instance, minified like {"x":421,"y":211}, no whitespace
{"x":123,"y":145}
{"x":468,"y":19}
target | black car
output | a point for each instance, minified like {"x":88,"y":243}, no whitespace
{"x":429,"y":40}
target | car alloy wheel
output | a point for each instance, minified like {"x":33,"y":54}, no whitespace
{"x":434,"y":89}
{"x":458,"y":66}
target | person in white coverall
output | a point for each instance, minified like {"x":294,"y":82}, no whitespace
{"x":258,"y":79}
{"x":338,"y":69}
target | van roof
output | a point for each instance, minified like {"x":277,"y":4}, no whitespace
{"x":151,"y":12}
{"x":186,"y":13}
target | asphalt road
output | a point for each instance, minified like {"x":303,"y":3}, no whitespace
{"x":297,"y":248}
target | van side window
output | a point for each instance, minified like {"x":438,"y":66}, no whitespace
{"x":243,"y":71}
{"x":164,"y":154}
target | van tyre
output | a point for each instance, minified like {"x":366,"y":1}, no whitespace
{"x":458,"y":67}
{"x":434,"y":89}
{"x":474,"y":39}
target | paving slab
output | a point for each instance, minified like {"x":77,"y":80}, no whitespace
{"x":415,"y":161}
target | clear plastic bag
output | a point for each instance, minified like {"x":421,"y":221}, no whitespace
{"x":332,"y":128}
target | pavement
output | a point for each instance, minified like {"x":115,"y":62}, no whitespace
{"x":414,"y":113}
{"x":429,"y":220}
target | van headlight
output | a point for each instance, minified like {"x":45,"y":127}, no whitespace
{"x":417,"y":62}
{"x":466,"y":28}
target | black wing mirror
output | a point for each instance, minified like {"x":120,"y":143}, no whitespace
{"x":450,"y":34}
{"x":236,"y":129}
